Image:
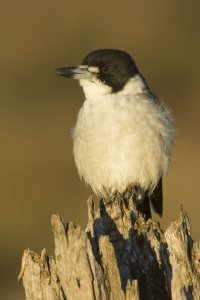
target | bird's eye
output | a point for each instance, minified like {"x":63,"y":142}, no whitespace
{"x":105,"y":69}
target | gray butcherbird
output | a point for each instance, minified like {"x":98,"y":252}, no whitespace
{"x":124,"y":133}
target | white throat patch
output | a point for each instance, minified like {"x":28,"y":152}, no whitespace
{"x":94,"y":88}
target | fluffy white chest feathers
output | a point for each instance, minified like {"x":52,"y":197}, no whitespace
{"x":122,"y":138}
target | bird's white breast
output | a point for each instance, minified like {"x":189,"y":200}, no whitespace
{"x":123,"y":138}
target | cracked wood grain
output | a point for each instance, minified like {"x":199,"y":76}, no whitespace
{"x":118,"y":256}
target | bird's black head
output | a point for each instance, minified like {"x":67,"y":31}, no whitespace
{"x":112,"y":67}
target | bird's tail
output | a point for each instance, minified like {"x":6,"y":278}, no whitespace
{"x":156,"y":200}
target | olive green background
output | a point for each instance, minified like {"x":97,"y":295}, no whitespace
{"x":38,"y":110}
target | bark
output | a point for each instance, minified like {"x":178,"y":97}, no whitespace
{"x":118,"y":255}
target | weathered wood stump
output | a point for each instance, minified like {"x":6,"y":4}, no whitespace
{"x":118,"y":256}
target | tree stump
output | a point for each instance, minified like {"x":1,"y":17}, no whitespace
{"x":119,"y":255}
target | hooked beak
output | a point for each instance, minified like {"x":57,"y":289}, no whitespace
{"x":76,"y":72}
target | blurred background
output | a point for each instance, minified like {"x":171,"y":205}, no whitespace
{"x":38,"y":110}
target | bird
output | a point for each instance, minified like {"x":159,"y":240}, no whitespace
{"x":124,"y":133}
